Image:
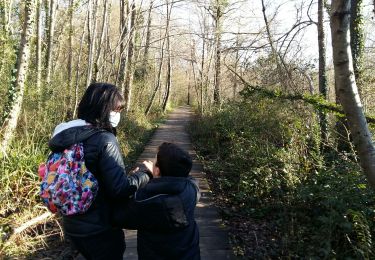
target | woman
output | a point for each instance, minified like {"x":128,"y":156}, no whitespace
{"x":99,"y":113}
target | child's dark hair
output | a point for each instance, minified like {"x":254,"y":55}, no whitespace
{"x":173,"y":161}
{"x":97,"y":103}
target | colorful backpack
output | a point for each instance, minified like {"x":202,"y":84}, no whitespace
{"x":67,"y":187}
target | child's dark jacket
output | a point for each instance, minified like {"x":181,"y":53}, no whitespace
{"x":163,"y":213}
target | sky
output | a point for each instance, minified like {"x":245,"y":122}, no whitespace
{"x":246,"y":17}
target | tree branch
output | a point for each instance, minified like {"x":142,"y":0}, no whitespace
{"x":316,"y":100}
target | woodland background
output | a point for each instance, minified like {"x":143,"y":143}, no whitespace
{"x":274,"y":110}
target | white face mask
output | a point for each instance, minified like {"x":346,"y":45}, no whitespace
{"x":114,"y":118}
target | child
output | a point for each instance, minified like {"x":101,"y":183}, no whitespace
{"x":163,"y":211}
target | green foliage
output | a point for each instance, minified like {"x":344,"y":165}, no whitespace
{"x":317,"y":101}
{"x":8,"y":57}
{"x":264,"y":159}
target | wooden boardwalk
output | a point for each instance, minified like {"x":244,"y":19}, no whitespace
{"x":213,"y":236}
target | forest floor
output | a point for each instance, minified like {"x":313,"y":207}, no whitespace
{"x":250,"y":238}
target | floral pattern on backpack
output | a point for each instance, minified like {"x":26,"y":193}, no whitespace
{"x":67,"y":186}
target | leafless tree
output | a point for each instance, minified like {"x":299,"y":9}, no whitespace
{"x":91,"y":37}
{"x":39,"y":45}
{"x":51,"y":17}
{"x":157,"y":85}
{"x":129,"y":65}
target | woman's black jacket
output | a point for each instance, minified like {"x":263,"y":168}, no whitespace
{"x":103,"y":158}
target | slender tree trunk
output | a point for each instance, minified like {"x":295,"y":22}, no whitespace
{"x":273,"y":47}
{"x":357,"y":40}
{"x":347,"y":89}
{"x":168,"y":82}
{"x":15,"y":93}
{"x":92,"y":23}
{"x":6,"y":7}
{"x":107,"y":66}
{"x":129,"y":65}
{"x":51,"y":34}
{"x":39,"y":46}
{"x":188,"y":96}
{"x":202,"y":62}
{"x":217,"y":18}
{"x":194,"y":80}
{"x":207,"y":76}
{"x":100,"y":43}
{"x":157,"y":85}
{"x":78,"y":68}
{"x":235,"y":83}
{"x":168,"y":76}
{"x":3,"y":22}
{"x":5,"y":32}
{"x":322,"y":74}
{"x":196,"y":83}
{"x":70,"y":60}
{"x":147,"y":43}
{"x":123,"y":33}
{"x":282,"y":70}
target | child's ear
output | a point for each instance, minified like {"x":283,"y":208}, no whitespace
{"x":156,"y":171}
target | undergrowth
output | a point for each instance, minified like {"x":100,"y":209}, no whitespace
{"x":282,"y":197}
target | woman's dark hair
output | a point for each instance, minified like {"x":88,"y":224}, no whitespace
{"x":173,"y":161}
{"x":97,"y":102}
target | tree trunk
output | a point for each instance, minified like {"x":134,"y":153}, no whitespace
{"x":129,"y":65}
{"x":91,"y":23}
{"x":188,"y":94}
{"x":107,"y":53}
{"x":15,"y":93}
{"x":347,"y":89}
{"x":157,"y":85}
{"x":70,"y":61}
{"x":39,"y":46}
{"x":322,"y":74}
{"x":123,"y":32}
{"x":282,"y":69}
{"x":100,"y":43}
{"x":78,"y":68}
{"x":168,"y":81}
{"x":202,"y":63}
{"x":50,"y":39}
{"x":145,"y":66}
{"x":217,"y":19}
{"x":235,"y":83}
{"x":5,"y":34}
{"x":357,"y":39}
{"x":5,"y":9}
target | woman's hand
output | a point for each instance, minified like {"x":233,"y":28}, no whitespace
{"x":149,"y":165}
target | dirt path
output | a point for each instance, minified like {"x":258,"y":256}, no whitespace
{"x":213,"y":237}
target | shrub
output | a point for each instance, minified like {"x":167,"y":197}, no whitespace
{"x":263,"y":157}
